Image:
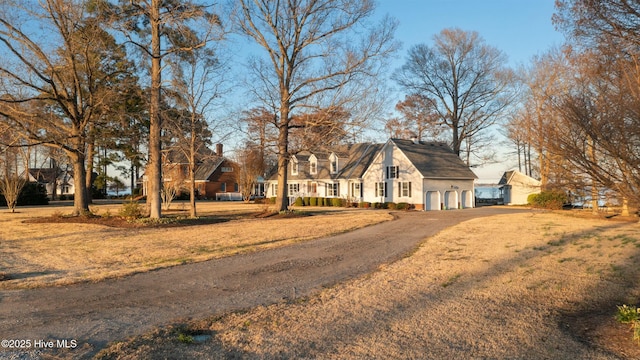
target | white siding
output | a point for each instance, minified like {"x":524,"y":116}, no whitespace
{"x":377,"y":172}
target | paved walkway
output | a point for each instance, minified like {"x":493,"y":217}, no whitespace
{"x":95,"y":314}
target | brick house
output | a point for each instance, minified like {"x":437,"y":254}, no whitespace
{"x":215,"y":175}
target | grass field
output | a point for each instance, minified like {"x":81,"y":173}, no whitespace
{"x":521,"y":286}
{"x":58,"y":252}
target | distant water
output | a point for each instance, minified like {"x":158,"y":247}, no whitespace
{"x":486,"y":192}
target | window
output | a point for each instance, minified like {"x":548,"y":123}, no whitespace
{"x":236,"y":187}
{"x":223,"y":187}
{"x":333,"y":164}
{"x":294,"y":167}
{"x":356,"y":190}
{"x":274,"y":189}
{"x":258,"y":189}
{"x":226,"y":169}
{"x":313,"y":167}
{"x":381,"y":189}
{"x":333,"y":189}
{"x":314,"y":188}
{"x":294,"y":189}
{"x":404,"y":189}
{"x":392,"y":172}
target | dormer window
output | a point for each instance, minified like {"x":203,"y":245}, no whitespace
{"x":393,"y":172}
{"x":294,"y":166}
{"x":313,"y":165}
{"x":333,"y":164}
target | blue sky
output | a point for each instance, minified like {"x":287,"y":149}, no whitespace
{"x":519,"y":28}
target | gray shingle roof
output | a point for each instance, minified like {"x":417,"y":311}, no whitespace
{"x":434,"y":160}
{"x":208,"y":166}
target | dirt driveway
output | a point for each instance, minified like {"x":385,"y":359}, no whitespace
{"x":91,"y":315}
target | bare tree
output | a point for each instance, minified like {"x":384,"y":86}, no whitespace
{"x":465,"y":80}
{"x":250,"y":166}
{"x":59,"y":82}
{"x":420,"y":119}
{"x":198,"y":80}
{"x":314,"y":59}
{"x":321,"y":128}
{"x":261,"y":131}
{"x":171,"y":188}
{"x":542,"y":82}
{"x":11,"y":155}
{"x":160,"y":28}
{"x":604,"y":50}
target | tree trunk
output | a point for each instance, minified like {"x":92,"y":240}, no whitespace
{"x":594,"y":188}
{"x":192,"y":172}
{"x":154,"y":169}
{"x":519,"y":147}
{"x":456,"y":141}
{"x":89,"y":159}
{"x":282,"y":203}
{"x":625,"y":206}
{"x":80,"y":199}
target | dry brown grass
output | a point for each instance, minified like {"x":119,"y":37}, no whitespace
{"x":503,"y":287}
{"x":45,"y":254}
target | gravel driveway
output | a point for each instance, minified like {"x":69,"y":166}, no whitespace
{"x":95,"y":314}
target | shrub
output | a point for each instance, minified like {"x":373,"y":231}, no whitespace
{"x":627,"y":314}
{"x":630,"y":315}
{"x":403,"y":206}
{"x":307,"y":201}
{"x":272,"y":200}
{"x":33,"y":194}
{"x":390,"y":205}
{"x":337,"y":202}
{"x":552,"y":200}
{"x":364,"y":204}
{"x":131,"y":210}
{"x":313,"y":201}
{"x":380,"y":205}
{"x":299,"y":202}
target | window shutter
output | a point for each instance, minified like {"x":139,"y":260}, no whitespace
{"x":409,"y":189}
{"x":387,"y":172}
{"x":385,"y":189}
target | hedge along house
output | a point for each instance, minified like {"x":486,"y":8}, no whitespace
{"x":428,"y":175}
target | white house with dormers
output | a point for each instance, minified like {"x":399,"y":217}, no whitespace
{"x":428,"y":175}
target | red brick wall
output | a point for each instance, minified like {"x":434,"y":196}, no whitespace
{"x":218,"y":177}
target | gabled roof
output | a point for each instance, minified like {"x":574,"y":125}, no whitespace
{"x":515,"y":176}
{"x":434,"y":160}
{"x":207,"y":167}
{"x":360,"y":157}
{"x":353,"y":159}
{"x":44,"y":175}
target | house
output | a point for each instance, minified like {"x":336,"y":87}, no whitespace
{"x":215,"y":175}
{"x":516,"y":187}
{"x":54,"y":179}
{"x":428,"y":175}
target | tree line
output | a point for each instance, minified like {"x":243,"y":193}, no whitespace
{"x":140,"y":78}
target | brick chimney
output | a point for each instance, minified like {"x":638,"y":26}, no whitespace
{"x":219,"y":149}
